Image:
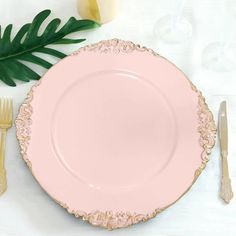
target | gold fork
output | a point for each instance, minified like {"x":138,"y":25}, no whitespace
{"x":5,"y":123}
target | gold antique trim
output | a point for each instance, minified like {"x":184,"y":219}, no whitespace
{"x":109,"y":219}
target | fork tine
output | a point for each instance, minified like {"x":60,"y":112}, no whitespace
{"x":0,"y":109}
{"x":7,"y":109}
{"x":11,"y":110}
{"x":4,"y":110}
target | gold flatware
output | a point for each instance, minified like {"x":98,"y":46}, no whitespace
{"x":226,"y":192}
{"x":5,"y":124}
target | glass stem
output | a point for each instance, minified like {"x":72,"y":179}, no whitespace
{"x":178,"y":6}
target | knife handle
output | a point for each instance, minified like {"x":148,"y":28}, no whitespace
{"x":226,"y":192}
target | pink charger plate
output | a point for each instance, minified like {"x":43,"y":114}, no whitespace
{"x":115,"y":133}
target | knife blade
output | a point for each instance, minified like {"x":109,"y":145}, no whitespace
{"x":223,"y":129}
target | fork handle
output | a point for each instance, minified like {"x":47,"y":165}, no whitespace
{"x":3,"y":179}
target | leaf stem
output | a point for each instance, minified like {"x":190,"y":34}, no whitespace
{"x":30,"y":50}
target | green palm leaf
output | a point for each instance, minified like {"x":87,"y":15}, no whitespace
{"x":13,"y":53}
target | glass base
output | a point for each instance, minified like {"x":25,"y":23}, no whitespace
{"x":173,"y":29}
{"x":220,"y":56}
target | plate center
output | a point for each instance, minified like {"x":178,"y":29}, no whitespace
{"x":113,"y":129}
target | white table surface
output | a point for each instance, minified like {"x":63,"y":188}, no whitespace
{"x":26,"y":210}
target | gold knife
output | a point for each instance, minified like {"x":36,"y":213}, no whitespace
{"x":226,"y":192}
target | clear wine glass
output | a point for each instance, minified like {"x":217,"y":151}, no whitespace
{"x":231,"y":4}
{"x":221,"y":55}
{"x":174,"y":28}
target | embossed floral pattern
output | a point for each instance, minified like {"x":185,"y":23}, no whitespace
{"x":23,"y":123}
{"x":114,"y":46}
{"x":108,"y":219}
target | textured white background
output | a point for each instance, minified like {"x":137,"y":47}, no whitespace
{"x":26,"y":210}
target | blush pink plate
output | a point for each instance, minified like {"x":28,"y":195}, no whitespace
{"x":115,"y":133}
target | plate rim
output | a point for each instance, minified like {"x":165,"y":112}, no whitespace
{"x":108,"y":219}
